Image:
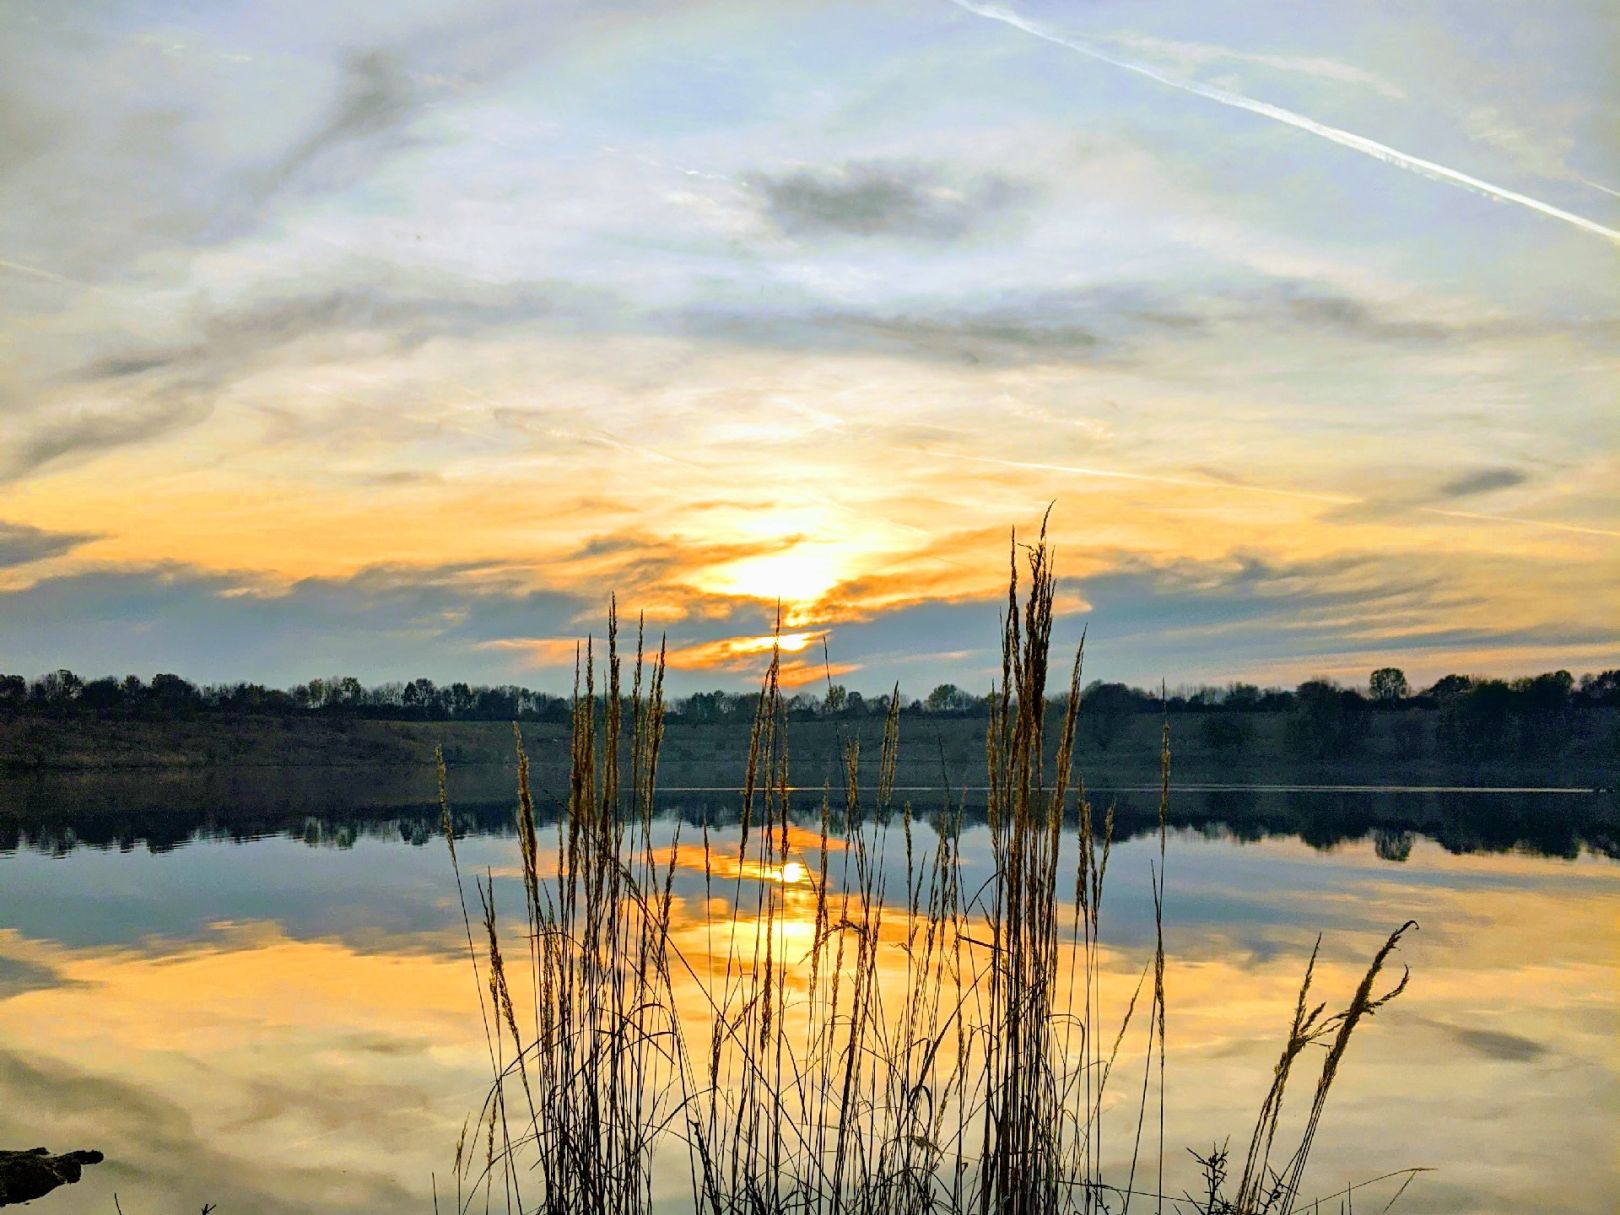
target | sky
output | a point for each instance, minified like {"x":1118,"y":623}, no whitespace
{"x":390,"y":340}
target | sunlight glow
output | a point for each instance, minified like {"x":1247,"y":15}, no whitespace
{"x":799,"y":576}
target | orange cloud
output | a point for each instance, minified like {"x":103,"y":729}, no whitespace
{"x":730,"y":654}
{"x":734,"y":652}
{"x":750,"y":653}
{"x":540,"y":651}
{"x":798,"y":674}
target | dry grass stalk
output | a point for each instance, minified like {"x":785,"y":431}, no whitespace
{"x":838,"y":1047}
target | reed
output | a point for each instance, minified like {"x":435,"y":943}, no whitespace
{"x":772,"y":1034}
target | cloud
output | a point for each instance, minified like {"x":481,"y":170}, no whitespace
{"x":125,"y":146}
{"x":1483,"y":481}
{"x":541,"y":651}
{"x":1187,"y":620}
{"x":21,"y":544}
{"x":1138,"y":324}
{"x":1354,"y":317}
{"x":877,"y":199}
{"x":403,"y":313}
{"x":1307,"y":305}
{"x":1118,"y":322}
{"x":1539,"y":151}
{"x":1495,"y":1044}
{"x":375,"y":95}
{"x":384,"y":622}
{"x":747,"y":650}
{"x":1416,"y":490}
{"x":143,"y":392}
{"x":486,"y":623}
{"x":481,"y":622}
{"x":85,"y":430}
{"x":160,"y":389}
{"x":1192,"y":55}
{"x":398,"y":477}
{"x":21,"y":975}
{"x":1010,"y":333}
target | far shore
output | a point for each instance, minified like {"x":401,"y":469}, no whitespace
{"x":1399,"y":749}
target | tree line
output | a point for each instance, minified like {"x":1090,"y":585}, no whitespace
{"x":166,"y":696}
{"x":1330,"y":714}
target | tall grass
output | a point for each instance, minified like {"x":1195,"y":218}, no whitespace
{"x":797,"y":1035}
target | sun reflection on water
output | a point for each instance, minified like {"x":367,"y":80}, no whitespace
{"x":284,"y":1071}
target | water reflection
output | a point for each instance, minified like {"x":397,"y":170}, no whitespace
{"x":279,"y":1017}
{"x":334,"y":808}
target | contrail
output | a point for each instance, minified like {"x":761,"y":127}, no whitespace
{"x":50,"y":275}
{"x":1267,"y":491}
{"x":1348,"y":139}
{"x":1521,"y":522}
{"x":1110,"y":474}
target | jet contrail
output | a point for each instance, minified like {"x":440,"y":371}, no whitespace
{"x":1348,"y":139}
{"x":1111,"y":474}
{"x":51,"y":275}
{"x":1269,"y":491}
{"x":1521,"y":521}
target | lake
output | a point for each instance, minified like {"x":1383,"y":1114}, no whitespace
{"x":255,"y":995}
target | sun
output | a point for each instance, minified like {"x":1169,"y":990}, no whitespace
{"x":800,"y":575}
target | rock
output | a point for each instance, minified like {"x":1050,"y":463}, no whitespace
{"x":25,"y":1176}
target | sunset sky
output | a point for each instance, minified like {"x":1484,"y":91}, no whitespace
{"x":388,"y":342}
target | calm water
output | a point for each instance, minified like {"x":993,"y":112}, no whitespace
{"x":258,"y":997}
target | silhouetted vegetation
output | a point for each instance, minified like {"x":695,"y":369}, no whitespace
{"x":1546,"y":730}
{"x":169,"y":697}
{"x":1481,"y":714}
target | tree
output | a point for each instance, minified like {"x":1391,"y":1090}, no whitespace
{"x":1226,"y":734}
{"x":421,"y":696}
{"x":1409,"y":735}
{"x":494,"y":704}
{"x":1327,"y":720}
{"x":947,"y":698}
{"x":1242,"y":696}
{"x":1388,"y":685}
{"x":174,"y":692}
{"x":13,"y":690}
{"x":1474,"y":723}
{"x":1275,"y":700}
{"x":1601,"y":689}
{"x":1547,"y":693}
{"x":836,"y":700}
{"x":345,"y":691}
{"x":459,"y":699}
{"x":101,"y":694}
{"x":57,"y":688}
{"x":1544,"y":704}
{"x":1105,"y":710}
{"x":1449,"y":687}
